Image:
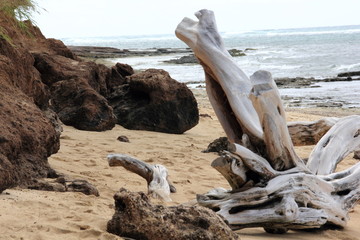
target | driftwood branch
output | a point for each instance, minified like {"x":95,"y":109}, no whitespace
{"x":271,"y":185}
{"x":342,"y":139}
{"x":309,"y":133}
{"x":159,"y":185}
{"x":267,"y":103}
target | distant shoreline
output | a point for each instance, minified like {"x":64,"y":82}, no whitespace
{"x":94,"y":53}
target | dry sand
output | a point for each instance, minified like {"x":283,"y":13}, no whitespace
{"x":30,"y":214}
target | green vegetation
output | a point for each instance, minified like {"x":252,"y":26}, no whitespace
{"x":19,"y":11}
{"x":4,"y":36}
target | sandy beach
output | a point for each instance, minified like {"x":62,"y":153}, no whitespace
{"x":34,"y":215}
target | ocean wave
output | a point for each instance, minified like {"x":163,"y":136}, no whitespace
{"x":320,"y":32}
{"x":348,"y":67}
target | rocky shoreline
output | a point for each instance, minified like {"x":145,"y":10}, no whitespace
{"x":105,"y":54}
{"x":110,"y":52}
{"x":95,"y":52}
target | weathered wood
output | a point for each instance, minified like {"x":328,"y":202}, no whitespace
{"x":309,"y":133}
{"x":357,"y":154}
{"x":271,"y":186}
{"x":267,"y":102}
{"x":209,"y":48}
{"x":293,"y":201}
{"x":232,"y":168}
{"x":159,"y":185}
{"x":342,"y":139}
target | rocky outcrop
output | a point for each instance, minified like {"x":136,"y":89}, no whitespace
{"x":27,"y":136}
{"x":190,"y":59}
{"x":153,"y":101}
{"x":77,"y":89}
{"x":297,"y":82}
{"x":349,"y":74}
{"x":300,"y":82}
{"x":136,"y":218}
{"x":109,"y":52}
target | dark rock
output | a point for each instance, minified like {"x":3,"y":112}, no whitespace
{"x":79,"y":105}
{"x":189,"y":59}
{"x":236,"y":52}
{"x":296,"y":82}
{"x":123,"y":139}
{"x":81,"y":186}
{"x":60,"y":48}
{"x":63,"y":184}
{"x":108,"y":52}
{"x":77,"y":89}
{"x":205,"y":115}
{"x":47,"y":185}
{"x":55,"y":68}
{"x":349,"y":74}
{"x":136,"y":218}
{"x":153,"y":101}
{"x":218,"y":145}
{"x":27,"y":135}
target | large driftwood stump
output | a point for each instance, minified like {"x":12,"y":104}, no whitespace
{"x":271,"y":186}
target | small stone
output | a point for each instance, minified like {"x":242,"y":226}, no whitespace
{"x":123,"y":139}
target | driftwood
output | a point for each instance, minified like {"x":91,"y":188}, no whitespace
{"x":159,"y":185}
{"x":309,"y":133}
{"x":271,"y":186}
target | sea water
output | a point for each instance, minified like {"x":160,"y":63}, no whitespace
{"x":303,"y":52}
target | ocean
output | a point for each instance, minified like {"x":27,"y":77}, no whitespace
{"x":303,"y":52}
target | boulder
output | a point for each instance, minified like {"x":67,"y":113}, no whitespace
{"x":77,"y":90}
{"x":78,"y":104}
{"x":136,"y":218}
{"x":153,"y":101}
{"x":54,"y":68}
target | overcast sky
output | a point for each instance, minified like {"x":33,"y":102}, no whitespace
{"x":91,"y":18}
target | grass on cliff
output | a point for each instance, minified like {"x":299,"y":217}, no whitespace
{"x":19,"y":11}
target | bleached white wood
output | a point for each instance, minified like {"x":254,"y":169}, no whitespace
{"x":342,"y":139}
{"x":203,"y":38}
{"x":267,"y":102}
{"x":156,"y":175}
{"x":232,"y":168}
{"x":317,"y":203}
{"x":271,"y":186}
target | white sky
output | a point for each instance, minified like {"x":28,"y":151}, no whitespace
{"x":91,"y":18}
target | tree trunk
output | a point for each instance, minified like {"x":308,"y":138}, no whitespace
{"x":271,"y":186}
